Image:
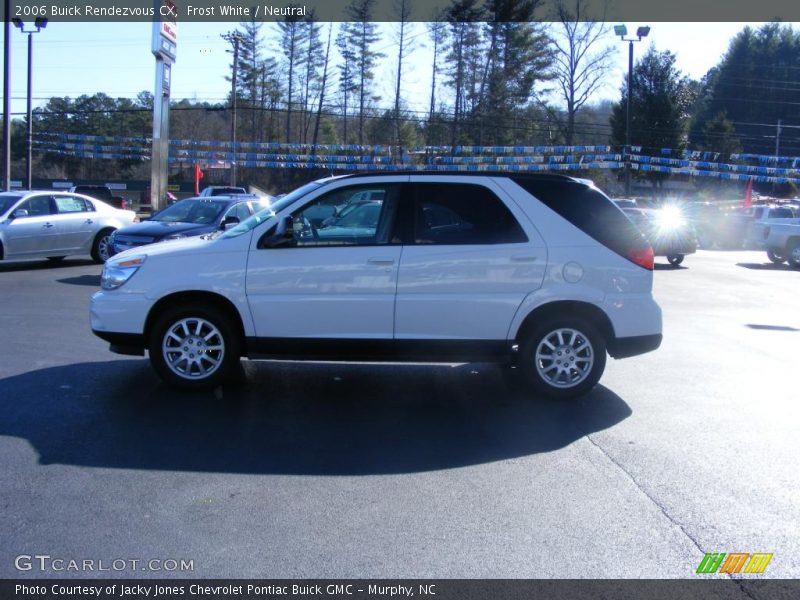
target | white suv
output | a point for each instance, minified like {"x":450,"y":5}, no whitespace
{"x":543,"y":272}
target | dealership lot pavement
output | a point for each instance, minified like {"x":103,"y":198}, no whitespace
{"x":342,"y":470}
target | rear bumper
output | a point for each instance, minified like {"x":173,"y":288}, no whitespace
{"x":633,"y":346}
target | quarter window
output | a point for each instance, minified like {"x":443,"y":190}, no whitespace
{"x":450,"y":213}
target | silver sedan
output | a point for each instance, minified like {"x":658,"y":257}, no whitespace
{"x":47,"y":224}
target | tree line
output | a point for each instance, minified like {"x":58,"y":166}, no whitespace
{"x":503,"y":72}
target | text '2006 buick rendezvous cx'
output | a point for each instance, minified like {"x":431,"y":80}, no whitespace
{"x":542,"y":272}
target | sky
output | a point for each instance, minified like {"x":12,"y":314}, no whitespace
{"x":72,"y":59}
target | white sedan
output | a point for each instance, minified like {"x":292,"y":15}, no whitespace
{"x":47,"y":224}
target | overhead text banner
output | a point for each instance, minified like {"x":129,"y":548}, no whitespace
{"x":621,"y":11}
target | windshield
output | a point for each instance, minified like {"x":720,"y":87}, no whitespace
{"x":7,"y":201}
{"x":276,"y":207}
{"x":192,"y":210}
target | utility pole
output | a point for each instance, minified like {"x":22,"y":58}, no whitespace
{"x":7,"y":98}
{"x":778,"y":140}
{"x":233,"y":38}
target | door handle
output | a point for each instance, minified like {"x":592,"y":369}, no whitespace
{"x":385,"y":262}
{"x":47,"y":225}
{"x":88,"y":221}
{"x":525,"y":259}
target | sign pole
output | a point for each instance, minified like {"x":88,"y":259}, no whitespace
{"x":164,"y":47}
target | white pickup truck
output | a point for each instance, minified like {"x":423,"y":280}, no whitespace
{"x":782,"y":242}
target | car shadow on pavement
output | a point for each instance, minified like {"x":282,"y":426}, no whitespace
{"x":38,"y":265}
{"x":668,"y":267}
{"x":292,"y":418}
{"x":767,"y":266}
{"x":87,"y":280}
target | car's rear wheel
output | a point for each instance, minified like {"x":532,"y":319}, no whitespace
{"x":778,"y":259}
{"x":101,"y":247}
{"x":194,"y":348}
{"x":793,"y":256}
{"x":562,"y":357}
{"x":675,"y":259}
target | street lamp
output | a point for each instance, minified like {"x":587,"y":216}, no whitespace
{"x":641,"y":32}
{"x":40,"y":23}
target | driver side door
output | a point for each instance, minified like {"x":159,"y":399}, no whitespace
{"x":331,"y":282}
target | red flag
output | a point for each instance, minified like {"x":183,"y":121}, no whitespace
{"x":748,"y":194}
{"x":198,"y":175}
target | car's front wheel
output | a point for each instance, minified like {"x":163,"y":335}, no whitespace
{"x":562,"y":357}
{"x":778,"y":259}
{"x":675,"y":259}
{"x":194,"y":348}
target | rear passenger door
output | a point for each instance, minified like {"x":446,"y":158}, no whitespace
{"x":470,"y":258}
{"x":74,"y":220}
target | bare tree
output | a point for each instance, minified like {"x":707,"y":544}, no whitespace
{"x":582,"y":61}
{"x":403,"y":10}
{"x":437,"y":29}
{"x":323,"y":88}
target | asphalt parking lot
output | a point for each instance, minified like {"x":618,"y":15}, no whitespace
{"x":342,"y":470}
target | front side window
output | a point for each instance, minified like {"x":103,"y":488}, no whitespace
{"x":348,"y":216}
{"x":456,"y":213}
{"x":37,"y":206}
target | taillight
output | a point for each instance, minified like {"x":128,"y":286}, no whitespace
{"x":122,"y":204}
{"x":643,"y":256}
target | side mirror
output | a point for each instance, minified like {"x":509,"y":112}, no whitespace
{"x":228,"y":222}
{"x":20,"y":212}
{"x":283,"y":236}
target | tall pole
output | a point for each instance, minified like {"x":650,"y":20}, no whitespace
{"x":778,"y":140}
{"x":29,"y":132}
{"x":233,"y":108}
{"x":7,"y":97}
{"x":628,"y":122}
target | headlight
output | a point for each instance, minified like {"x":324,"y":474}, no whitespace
{"x":117,"y":272}
{"x":670,"y":218}
{"x":174,"y":236}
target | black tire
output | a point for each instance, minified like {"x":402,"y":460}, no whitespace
{"x":101,"y":247}
{"x":675,"y":259}
{"x":793,"y":254}
{"x":533,"y":369}
{"x":56,"y":258}
{"x":185,"y":370}
{"x":776,"y":258}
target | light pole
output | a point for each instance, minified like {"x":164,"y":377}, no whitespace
{"x":234,"y":39}
{"x":641,"y":32}
{"x":40,"y":23}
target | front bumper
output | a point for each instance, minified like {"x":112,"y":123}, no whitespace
{"x":132,"y":344}
{"x":119,"y":318}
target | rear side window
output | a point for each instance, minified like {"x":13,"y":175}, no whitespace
{"x":588,"y":209}
{"x":780,"y":213}
{"x":455,"y":213}
{"x":70,"y":204}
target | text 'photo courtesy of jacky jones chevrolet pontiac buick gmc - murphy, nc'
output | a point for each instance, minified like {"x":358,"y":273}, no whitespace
{"x":542,"y":273}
